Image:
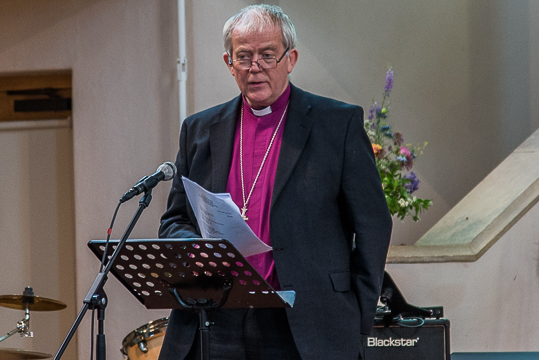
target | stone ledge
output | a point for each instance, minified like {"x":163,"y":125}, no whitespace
{"x":470,"y":228}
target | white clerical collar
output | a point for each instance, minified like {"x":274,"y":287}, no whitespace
{"x":262,"y":112}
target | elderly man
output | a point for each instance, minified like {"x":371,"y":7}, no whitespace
{"x":302,"y":171}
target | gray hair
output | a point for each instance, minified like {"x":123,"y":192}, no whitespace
{"x":255,"y":18}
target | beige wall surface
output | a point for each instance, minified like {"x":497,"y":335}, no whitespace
{"x":37,"y":230}
{"x":490,"y":303}
{"x":125,"y":124}
{"x":464,"y":82}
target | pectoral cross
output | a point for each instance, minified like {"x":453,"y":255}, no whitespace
{"x":243,"y":211}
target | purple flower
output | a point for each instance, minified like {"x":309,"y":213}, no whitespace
{"x":389,"y":81}
{"x":413,"y":185}
{"x":371,"y":112}
{"x":408,"y":161}
{"x":374,"y":111}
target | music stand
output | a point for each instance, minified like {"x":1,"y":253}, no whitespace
{"x":197,"y":274}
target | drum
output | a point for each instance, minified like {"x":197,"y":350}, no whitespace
{"x":145,"y":342}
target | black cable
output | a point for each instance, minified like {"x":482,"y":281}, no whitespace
{"x":109,"y":231}
{"x":409,"y":321}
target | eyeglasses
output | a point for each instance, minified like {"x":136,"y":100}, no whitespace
{"x":246,"y":62}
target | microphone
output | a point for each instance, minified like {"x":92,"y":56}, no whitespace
{"x":166,"y":171}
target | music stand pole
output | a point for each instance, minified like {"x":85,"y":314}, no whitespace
{"x":93,"y":298}
{"x":201,"y":307}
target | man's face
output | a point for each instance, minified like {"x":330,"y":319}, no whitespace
{"x":261,"y":87}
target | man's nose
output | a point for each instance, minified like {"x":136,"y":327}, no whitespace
{"x":258,"y":67}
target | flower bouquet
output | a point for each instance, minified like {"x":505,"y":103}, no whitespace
{"x":394,"y":160}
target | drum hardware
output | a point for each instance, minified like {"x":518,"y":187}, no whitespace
{"x":27,"y":301}
{"x":145,"y":342}
{"x":23,"y":327}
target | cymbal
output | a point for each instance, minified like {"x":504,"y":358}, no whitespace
{"x":35,"y":303}
{"x":18,"y":354}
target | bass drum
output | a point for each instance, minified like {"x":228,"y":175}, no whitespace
{"x":145,"y":342}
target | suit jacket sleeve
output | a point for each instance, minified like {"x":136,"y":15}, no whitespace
{"x":370,"y":217}
{"x":176,"y":222}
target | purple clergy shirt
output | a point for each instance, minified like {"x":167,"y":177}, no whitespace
{"x":257,"y":134}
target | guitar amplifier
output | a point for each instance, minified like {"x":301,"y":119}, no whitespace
{"x":427,"y":342}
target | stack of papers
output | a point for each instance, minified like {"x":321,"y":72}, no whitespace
{"x":220,"y":218}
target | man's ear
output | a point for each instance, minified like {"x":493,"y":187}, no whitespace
{"x":228,"y":62}
{"x":292,"y":59}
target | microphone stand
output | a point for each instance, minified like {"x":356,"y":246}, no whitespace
{"x":96,"y":297}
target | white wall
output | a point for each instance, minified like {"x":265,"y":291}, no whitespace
{"x":464,"y":81}
{"x":123,"y":59}
{"x":37,"y":230}
{"x":125,"y":125}
{"x":490,"y":303}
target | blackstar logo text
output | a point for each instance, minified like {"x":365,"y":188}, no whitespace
{"x":376,"y":342}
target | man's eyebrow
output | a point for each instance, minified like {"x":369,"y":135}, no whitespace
{"x":240,"y":49}
{"x":272,"y":47}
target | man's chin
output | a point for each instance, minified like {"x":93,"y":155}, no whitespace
{"x":257,"y":101}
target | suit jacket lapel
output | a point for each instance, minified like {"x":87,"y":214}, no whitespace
{"x":297,"y":128}
{"x":296,"y":132}
{"x":222,"y":144}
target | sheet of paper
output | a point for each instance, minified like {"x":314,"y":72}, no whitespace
{"x":220,"y":218}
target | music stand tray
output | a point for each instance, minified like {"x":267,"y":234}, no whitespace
{"x":153,"y":269}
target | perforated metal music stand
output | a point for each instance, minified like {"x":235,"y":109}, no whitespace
{"x":198,"y":274}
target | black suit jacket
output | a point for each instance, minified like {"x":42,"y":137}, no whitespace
{"x":326,"y":190}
